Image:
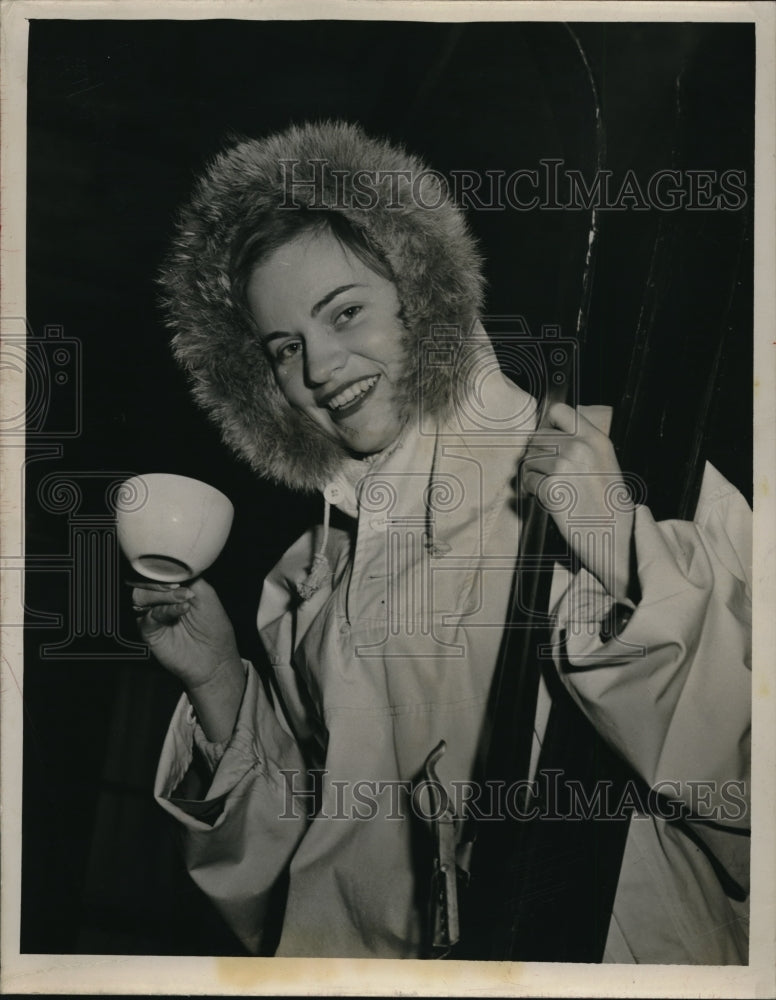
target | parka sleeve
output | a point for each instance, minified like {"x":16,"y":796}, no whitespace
{"x":672,"y":691}
{"x":242,"y":825}
{"x":238,"y":837}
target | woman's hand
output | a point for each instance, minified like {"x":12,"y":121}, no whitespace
{"x":575,"y":476}
{"x":190,"y":634}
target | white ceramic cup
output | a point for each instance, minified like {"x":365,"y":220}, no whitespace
{"x":171,"y":528}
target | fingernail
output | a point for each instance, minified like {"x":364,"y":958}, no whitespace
{"x":184,"y":594}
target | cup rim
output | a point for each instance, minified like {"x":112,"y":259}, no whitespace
{"x":146,"y":476}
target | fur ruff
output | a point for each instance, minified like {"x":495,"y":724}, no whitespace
{"x":433,"y":257}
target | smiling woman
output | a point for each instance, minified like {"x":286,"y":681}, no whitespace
{"x":264,"y":195}
{"x":332,"y":328}
{"x":337,"y":345}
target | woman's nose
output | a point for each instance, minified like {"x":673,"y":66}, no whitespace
{"x":324,"y":355}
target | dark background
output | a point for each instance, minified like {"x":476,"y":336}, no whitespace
{"x":121,"y":116}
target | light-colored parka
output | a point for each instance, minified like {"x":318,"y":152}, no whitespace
{"x":397,"y":649}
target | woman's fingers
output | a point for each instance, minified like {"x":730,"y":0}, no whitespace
{"x":533,"y":479}
{"x":571,"y":421}
{"x":563,"y":417}
{"x":153,"y":585}
{"x":149,"y":596}
{"x":538,"y":462}
{"x":161,"y":603}
{"x":166,"y":615}
{"x":160,"y":614}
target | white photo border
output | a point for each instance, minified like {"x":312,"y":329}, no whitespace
{"x":85,"y":974}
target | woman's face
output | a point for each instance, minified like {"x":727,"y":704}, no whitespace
{"x":331,"y":328}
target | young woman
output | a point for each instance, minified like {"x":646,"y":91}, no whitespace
{"x":325,"y":296}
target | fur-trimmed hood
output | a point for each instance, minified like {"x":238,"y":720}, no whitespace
{"x":391,"y":197}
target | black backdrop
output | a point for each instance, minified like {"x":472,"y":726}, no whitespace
{"x":121,"y":114}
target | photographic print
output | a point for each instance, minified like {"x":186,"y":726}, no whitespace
{"x":388,"y":410}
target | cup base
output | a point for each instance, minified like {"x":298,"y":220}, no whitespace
{"x":165,"y":569}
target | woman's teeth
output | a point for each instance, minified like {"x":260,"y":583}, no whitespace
{"x":352,"y":393}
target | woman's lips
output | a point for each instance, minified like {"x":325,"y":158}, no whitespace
{"x":352,"y":398}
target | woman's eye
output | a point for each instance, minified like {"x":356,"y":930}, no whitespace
{"x":288,"y":351}
{"x":347,"y":315}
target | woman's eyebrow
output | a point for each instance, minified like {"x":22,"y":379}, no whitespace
{"x":332,"y":295}
{"x":277,"y":334}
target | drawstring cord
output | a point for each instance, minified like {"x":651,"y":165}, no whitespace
{"x":433,"y":547}
{"x":320,"y":567}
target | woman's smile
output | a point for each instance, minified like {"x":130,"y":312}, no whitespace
{"x":331,"y":327}
{"x":351,"y":398}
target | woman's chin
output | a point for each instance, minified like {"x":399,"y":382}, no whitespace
{"x":368,"y":442}
{"x":367,"y":437}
